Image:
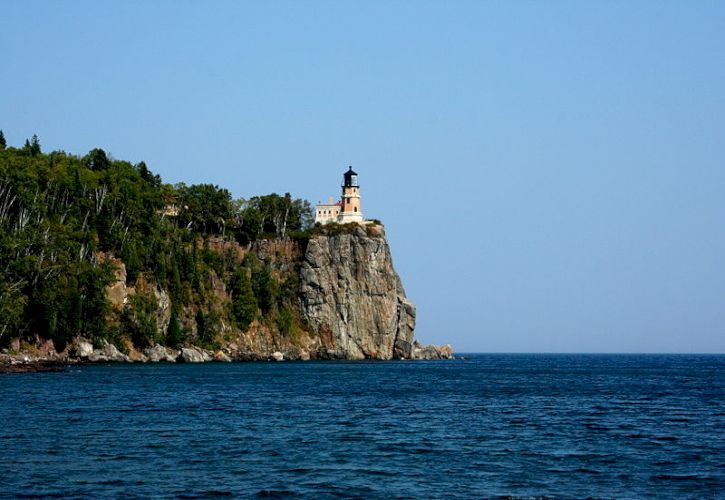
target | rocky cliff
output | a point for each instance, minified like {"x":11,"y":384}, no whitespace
{"x":342,"y":299}
{"x":352,"y":297}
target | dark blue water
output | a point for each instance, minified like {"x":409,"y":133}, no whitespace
{"x":562,"y":426}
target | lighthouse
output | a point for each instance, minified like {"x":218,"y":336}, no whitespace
{"x":350,"y":198}
{"x":346,"y":210}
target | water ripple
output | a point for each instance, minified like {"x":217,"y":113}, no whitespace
{"x":490,"y":426}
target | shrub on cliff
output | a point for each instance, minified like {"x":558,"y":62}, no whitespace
{"x":139,"y":322}
{"x":175,"y":335}
{"x":244,"y":303}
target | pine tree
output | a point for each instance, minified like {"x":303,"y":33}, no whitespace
{"x":34,"y":145}
{"x":201,"y":332}
{"x":174,"y":333}
{"x":244,"y":304}
{"x":3,"y":144}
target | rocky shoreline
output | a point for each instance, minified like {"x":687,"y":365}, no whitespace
{"x":43,"y":357}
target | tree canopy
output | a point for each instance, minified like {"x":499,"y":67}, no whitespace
{"x":62,"y":217}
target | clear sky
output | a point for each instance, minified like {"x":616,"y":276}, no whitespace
{"x":551,"y":174}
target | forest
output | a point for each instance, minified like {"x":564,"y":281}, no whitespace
{"x":63,"y":215}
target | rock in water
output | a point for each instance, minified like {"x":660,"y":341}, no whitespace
{"x":191,"y":355}
{"x":114,"y":354}
{"x":222,"y":357}
{"x":277,"y":356}
{"x":353,"y":298}
{"x":108,"y":353}
{"x":431,"y":351}
{"x":159,"y":353}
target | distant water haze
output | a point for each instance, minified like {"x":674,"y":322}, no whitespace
{"x":550,"y":174}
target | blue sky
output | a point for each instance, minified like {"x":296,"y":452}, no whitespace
{"x":551,"y":174}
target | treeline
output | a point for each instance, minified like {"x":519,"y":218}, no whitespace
{"x":60,"y":212}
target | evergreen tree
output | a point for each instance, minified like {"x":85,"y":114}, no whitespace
{"x":62,"y":216}
{"x":96,"y":159}
{"x":3,"y":144}
{"x":244,"y":304}
{"x":174,"y":333}
{"x":201,"y":330}
{"x":264,"y":288}
{"x":34,"y":146}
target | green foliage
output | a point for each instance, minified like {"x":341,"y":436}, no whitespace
{"x":208,"y":326}
{"x":139,"y":321}
{"x":32,"y":146}
{"x":333,"y":228}
{"x":63,"y":216}
{"x":12,"y":305}
{"x":213,"y":260}
{"x":287,"y":323}
{"x":244,"y":303}
{"x":264,"y":287}
{"x":272,"y":215}
{"x":206,"y":208}
{"x":97,"y":160}
{"x":175,"y":336}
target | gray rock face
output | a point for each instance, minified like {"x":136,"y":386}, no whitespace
{"x":431,"y":351}
{"x":194,"y":355}
{"x":81,"y":348}
{"x":159,"y":353}
{"x":108,"y":353}
{"x":353,"y":298}
{"x":163,"y":309}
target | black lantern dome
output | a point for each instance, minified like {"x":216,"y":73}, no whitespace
{"x":350,"y":178}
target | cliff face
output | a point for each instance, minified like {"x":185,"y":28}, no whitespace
{"x":353,"y":299}
{"x":350,"y":299}
{"x":343,"y":300}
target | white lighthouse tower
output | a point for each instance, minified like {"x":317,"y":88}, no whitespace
{"x":350,"y":198}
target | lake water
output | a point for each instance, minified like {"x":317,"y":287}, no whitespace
{"x":508,"y":426}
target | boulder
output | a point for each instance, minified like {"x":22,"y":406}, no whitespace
{"x":108,"y":353}
{"x":431,"y":352}
{"x":195,"y":355}
{"x":134,"y":355}
{"x":446,"y":351}
{"x":47,"y":349}
{"x":277,"y":356}
{"x":81,"y":348}
{"x":222,"y":357}
{"x":159,"y":353}
{"x":190,"y":355}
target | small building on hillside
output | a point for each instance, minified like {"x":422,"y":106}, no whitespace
{"x":346,"y":210}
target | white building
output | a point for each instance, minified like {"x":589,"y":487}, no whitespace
{"x":348,"y":209}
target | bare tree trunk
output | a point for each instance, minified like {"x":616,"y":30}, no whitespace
{"x":100,"y":196}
